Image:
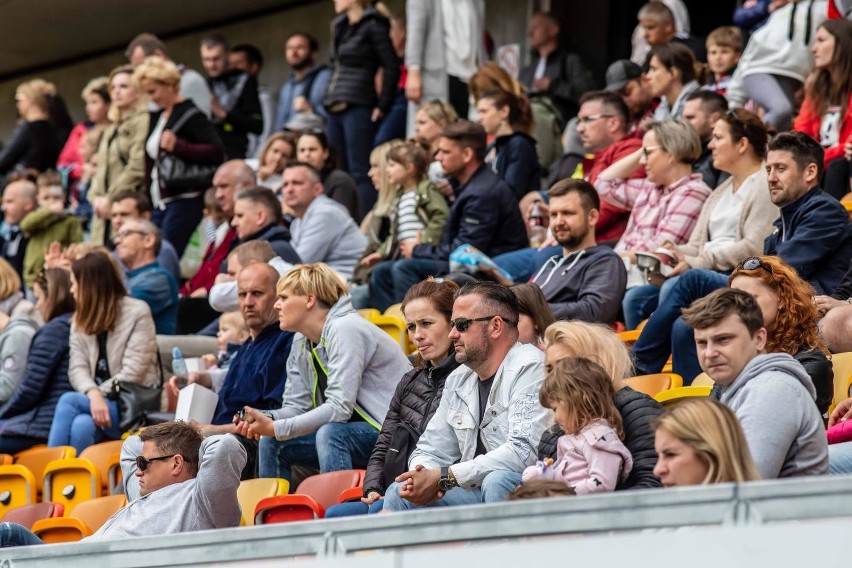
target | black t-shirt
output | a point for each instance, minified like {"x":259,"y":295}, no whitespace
{"x":484,"y":391}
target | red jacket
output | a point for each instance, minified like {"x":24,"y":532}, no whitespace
{"x":206,"y":274}
{"x":809,"y":123}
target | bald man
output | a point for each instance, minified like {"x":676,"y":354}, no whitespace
{"x":19,"y":199}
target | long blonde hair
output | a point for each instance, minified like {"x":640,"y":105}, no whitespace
{"x":595,"y":342}
{"x":386,"y":190}
{"x":713,"y":432}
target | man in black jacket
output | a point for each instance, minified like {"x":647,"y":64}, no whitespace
{"x":235,"y":103}
{"x":554,"y":72}
{"x":485,"y":215}
{"x":257,"y":215}
{"x":19,"y":198}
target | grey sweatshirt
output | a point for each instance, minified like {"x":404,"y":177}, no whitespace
{"x":209,"y":501}
{"x":15,"y":343}
{"x":363,"y":364}
{"x":773,"y":397}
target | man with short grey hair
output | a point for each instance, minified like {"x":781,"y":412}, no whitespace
{"x":19,"y":198}
{"x":138,"y":244}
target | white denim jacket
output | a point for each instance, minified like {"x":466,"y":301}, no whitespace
{"x":511,"y":427}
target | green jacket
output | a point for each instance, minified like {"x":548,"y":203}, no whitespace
{"x":431,"y":209}
{"x":44,"y":227}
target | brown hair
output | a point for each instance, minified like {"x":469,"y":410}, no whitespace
{"x":410,"y":154}
{"x":833,"y":85}
{"x":745,"y":124}
{"x":520,"y":112}
{"x":713,"y":432}
{"x":719,"y":304}
{"x":100,"y":290}
{"x":796,"y":324}
{"x":178,"y":438}
{"x":148,"y":42}
{"x":10,"y":280}
{"x":49,"y":178}
{"x":726,"y":36}
{"x":589,"y":197}
{"x":531,"y":302}
{"x":541,"y":488}
{"x":676,"y":56}
{"x":287,"y":137}
{"x":586,"y":388}
{"x":440,"y":294}
{"x":467,"y":135}
{"x":56,"y":285}
{"x":253,"y":251}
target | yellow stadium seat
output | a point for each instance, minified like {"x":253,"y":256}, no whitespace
{"x":841,"y":363}
{"x":848,"y":205}
{"x":703,"y":380}
{"x":22,"y":482}
{"x":656,"y":383}
{"x":368,"y":313}
{"x":671,"y":396}
{"x":6,"y":459}
{"x":85,"y":520}
{"x":396,"y":311}
{"x":102,"y":456}
{"x":251,"y":491}
{"x":72,"y":481}
{"x":395,"y":327}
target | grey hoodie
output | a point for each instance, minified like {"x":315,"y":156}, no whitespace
{"x":773,"y":397}
{"x":363,"y":365}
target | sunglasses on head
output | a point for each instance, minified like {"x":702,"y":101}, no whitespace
{"x":753,"y":263}
{"x":463,"y":324}
{"x":142,"y":462}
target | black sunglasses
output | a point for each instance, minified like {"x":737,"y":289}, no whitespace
{"x":753,"y":263}
{"x":463,"y":324}
{"x":142,"y":462}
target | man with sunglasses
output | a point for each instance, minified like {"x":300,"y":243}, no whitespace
{"x":175,"y":481}
{"x":813,"y":235}
{"x":489,"y":421}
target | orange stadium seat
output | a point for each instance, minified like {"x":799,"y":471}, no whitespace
{"x":313,"y":496}
{"x":86,"y":519}
{"x":654,"y":384}
{"x":28,"y":514}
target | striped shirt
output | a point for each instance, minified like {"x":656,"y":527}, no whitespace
{"x":657,"y":214}
{"x":409,"y":223}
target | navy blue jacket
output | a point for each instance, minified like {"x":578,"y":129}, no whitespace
{"x":278,"y":238}
{"x":516,"y":163}
{"x":485,"y":214}
{"x":814,"y":236}
{"x":30,"y":410}
{"x":256,"y":375}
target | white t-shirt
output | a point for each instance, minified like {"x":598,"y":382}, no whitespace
{"x":725,"y":217}
{"x":829,"y":129}
{"x":152,"y":148}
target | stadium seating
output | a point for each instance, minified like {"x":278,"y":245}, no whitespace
{"x":28,"y":514}
{"x":395,"y":327}
{"x":674,"y":395}
{"x":251,"y":491}
{"x":313,"y":496}
{"x":71,"y":481}
{"x":841,"y":363}
{"x":87,"y":518}
{"x":654,"y":384}
{"x":21,"y":483}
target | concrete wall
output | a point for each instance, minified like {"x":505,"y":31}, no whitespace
{"x":506,"y":20}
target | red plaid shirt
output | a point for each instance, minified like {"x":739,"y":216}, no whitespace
{"x":657,"y":214}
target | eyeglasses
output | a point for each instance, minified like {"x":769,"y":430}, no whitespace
{"x":463,"y":324}
{"x":142,"y":462}
{"x":592,"y":118}
{"x":753,"y":263}
{"x":125,"y":232}
{"x":646,"y":150}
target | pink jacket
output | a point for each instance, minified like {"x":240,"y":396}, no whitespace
{"x":591,"y":462}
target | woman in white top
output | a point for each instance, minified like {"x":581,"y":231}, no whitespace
{"x":279,"y":149}
{"x":734,"y":220}
{"x":671,"y":76}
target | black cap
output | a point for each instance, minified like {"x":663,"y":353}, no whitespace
{"x":620,"y":73}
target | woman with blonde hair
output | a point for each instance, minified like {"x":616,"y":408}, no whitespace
{"x":34,"y":142}
{"x":121,"y":152}
{"x":182,"y":152}
{"x":700,"y":441}
{"x":600,"y":344}
{"x":341,"y":375}
{"x":429,"y":122}
{"x":279,"y":149}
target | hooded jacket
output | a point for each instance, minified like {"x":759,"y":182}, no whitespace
{"x":417,"y":397}
{"x":278,"y":238}
{"x":511,"y":427}
{"x":363,"y":365}
{"x":586,"y":285}
{"x":814,"y":236}
{"x":773,"y":398}
{"x":15,"y":343}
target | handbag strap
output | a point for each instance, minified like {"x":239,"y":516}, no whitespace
{"x":183,"y":119}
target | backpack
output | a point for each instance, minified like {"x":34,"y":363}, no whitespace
{"x":547,"y":131}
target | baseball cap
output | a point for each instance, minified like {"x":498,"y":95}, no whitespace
{"x":619,"y":73}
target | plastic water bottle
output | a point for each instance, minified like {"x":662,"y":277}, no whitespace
{"x":178,"y":363}
{"x":538,"y":230}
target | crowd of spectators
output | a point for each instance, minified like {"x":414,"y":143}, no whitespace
{"x":518,"y":223}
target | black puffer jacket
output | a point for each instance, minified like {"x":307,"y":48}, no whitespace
{"x":358,"y":51}
{"x":416,"y":398}
{"x":637,"y":411}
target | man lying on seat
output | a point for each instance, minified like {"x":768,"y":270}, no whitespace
{"x":175,"y":481}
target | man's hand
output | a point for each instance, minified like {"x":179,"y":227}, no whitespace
{"x":541,"y":84}
{"x":203,"y":379}
{"x":216,"y":108}
{"x":377,"y":115}
{"x":371,"y":498}
{"x":414,"y":86}
{"x":842,"y":412}
{"x":826,"y":303}
{"x":101,"y":206}
{"x":421,"y":485}
{"x":255,"y":425}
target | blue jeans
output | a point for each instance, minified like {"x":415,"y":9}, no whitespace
{"x":655,"y":344}
{"x":391,"y":279}
{"x":640,"y":302}
{"x":13,"y":534}
{"x":336,"y":446}
{"x":840,"y":458}
{"x":524,"y":263}
{"x":360,"y":296}
{"x":178,"y":221}
{"x":351,"y":133}
{"x":73,"y":424}
{"x":392,"y":126}
{"x":495,"y":488}
{"x":353,"y":508}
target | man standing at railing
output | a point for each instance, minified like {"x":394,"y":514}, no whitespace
{"x":489,"y":420}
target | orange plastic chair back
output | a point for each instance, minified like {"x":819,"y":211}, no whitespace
{"x":87,"y":518}
{"x":71,"y":482}
{"x":327,"y":487}
{"x":36,"y":459}
{"x":251,"y":491}
{"x":287,"y":509}
{"x":102,"y":455}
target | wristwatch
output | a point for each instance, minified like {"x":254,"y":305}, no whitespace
{"x":448,"y":480}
